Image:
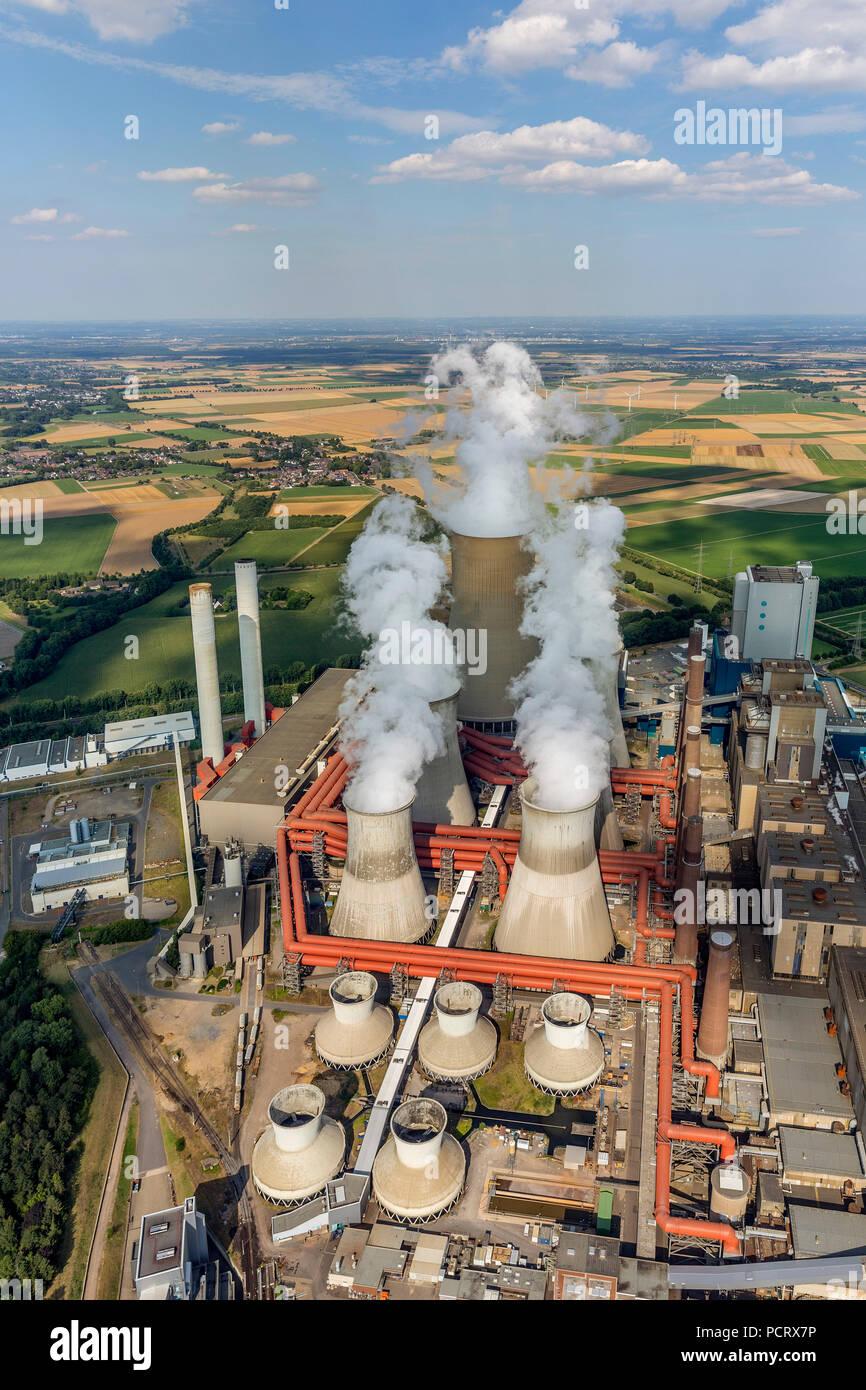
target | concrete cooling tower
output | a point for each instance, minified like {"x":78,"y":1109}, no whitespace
{"x":420,"y":1170}
{"x":484,"y":581}
{"x":606,"y":680}
{"x":555,"y":903}
{"x":565,"y":1055}
{"x":607,"y":832}
{"x":250,"y":634}
{"x":442,"y":796}
{"x":381,"y":894}
{"x":206,"y":673}
{"x":357,"y":1031}
{"x":457,"y":1045}
{"x":301,"y":1151}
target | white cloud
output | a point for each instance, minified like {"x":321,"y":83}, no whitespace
{"x":812,"y":69}
{"x":134,"y":20}
{"x":220,"y":127}
{"x":240,"y":229}
{"x":266,"y":138}
{"x":616,"y":65}
{"x":35,"y":215}
{"x":39,"y":236}
{"x":99,"y":233}
{"x":789,"y":25}
{"x":71,"y":217}
{"x":288,"y":190}
{"x":192,"y":174}
{"x":777,"y":231}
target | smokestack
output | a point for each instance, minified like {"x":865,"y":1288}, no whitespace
{"x":565,"y":1056}
{"x":419,"y":1171}
{"x":457,"y":1045}
{"x":696,"y":641}
{"x":381,"y":895}
{"x":692,"y":749}
{"x":690,"y":805}
{"x":250,"y":633}
{"x":688,"y":876}
{"x":555,"y":903}
{"x":443,"y":796}
{"x":695,"y":690}
{"x":356,"y":1032}
{"x":206,"y":672}
{"x":302,"y":1148}
{"x":712,"y":1042}
{"x":484,"y":581}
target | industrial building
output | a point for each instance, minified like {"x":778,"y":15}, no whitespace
{"x":148,"y":735}
{"x":774,"y":609}
{"x":94,"y":859}
{"x":173,"y":1261}
{"x":48,"y":756}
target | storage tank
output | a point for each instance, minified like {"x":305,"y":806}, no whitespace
{"x":419,"y":1172}
{"x":301,"y":1150}
{"x":442,"y":796}
{"x":484,"y":583}
{"x":206,"y":672}
{"x":564,"y":1056}
{"x":712,"y":1042}
{"x":729,"y":1193}
{"x":381,"y":894}
{"x":555,"y":903}
{"x":233,"y":865}
{"x":357,"y":1031}
{"x":249,"y":632}
{"x":457,"y":1044}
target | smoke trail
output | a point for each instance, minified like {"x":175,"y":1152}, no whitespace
{"x":391,"y":581}
{"x":506,"y":426}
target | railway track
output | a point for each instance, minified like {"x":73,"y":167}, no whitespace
{"x":150,"y":1052}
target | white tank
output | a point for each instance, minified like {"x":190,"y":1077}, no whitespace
{"x":250,"y":634}
{"x":357,"y":1031}
{"x":484,"y":582}
{"x":420,"y":1170}
{"x":442,"y":796}
{"x":206,"y":672}
{"x":729,"y":1193}
{"x":301,"y":1150}
{"x":381,"y":894}
{"x":456,"y":1044}
{"x":233,"y":865}
{"x":555,"y":903}
{"x":564,"y":1055}
{"x":756,"y":752}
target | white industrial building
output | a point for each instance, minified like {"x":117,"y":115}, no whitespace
{"x":148,"y":735}
{"x":47,"y":756}
{"x":773,"y":611}
{"x":93,"y":859}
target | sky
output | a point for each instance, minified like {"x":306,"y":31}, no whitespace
{"x":327,"y":158}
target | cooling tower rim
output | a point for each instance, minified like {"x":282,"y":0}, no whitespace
{"x":200,"y":587}
{"x":431,"y":1115}
{"x":467,"y":536}
{"x":245,"y":560}
{"x":467,"y":987}
{"x":296,"y":1115}
{"x":445,"y":699}
{"x":357,"y":976}
{"x":527,"y":788}
{"x":394,"y":811}
{"x":581,"y":1007}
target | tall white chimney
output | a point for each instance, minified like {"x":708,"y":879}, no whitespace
{"x":206,"y":672}
{"x":250,"y":633}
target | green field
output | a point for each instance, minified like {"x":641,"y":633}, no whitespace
{"x":773,"y":403}
{"x":68,"y":485}
{"x":326,"y":490}
{"x":206,"y":432}
{"x":69,"y":544}
{"x":98,"y":663}
{"x":333,"y":548}
{"x":192,"y":470}
{"x":749,"y":538}
{"x":269,"y":548}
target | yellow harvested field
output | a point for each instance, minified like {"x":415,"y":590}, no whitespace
{"x":141,"y":512}
{"x":323,"y":506}
{"x":687,"y":433}
{"x":355,"y":424}
{"x":838,"y":448}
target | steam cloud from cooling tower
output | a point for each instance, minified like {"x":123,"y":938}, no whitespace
{"x":391,"y":581}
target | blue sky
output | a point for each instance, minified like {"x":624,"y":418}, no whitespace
{"x":553,"y":127}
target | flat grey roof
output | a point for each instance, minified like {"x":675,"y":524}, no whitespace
{"x":79,"y":873}
{"x":288,"y":742}
{"x":150,"y":1245}
{"x":800,"y":1057}
{"x":29,"y":754}
{"x":817,"y":1231}
{"x":222,"y":907}
{"x":819,"y":1151}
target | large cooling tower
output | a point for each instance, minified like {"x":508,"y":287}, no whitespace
{"x":555,"y":903}
{"x":381,"y":894}
{"x":419,"y":1171}
{"x":250,"y":634}
{"x":301,"y":1150}
{"x":442,"y":796}
{"x":206,"y":673}
{"x":606,"y":680}
{"x":564,"y":1056}
{"x":607,"y":832}
{"x":484,"y":576}
{"x":457,"y":1045}
{"x":356,"y":1031}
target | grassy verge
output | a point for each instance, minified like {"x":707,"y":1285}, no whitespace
{"x":505,"y":1087}
{"x":111,"y":1270}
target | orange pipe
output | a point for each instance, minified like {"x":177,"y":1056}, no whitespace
{"x":666,"y":816}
